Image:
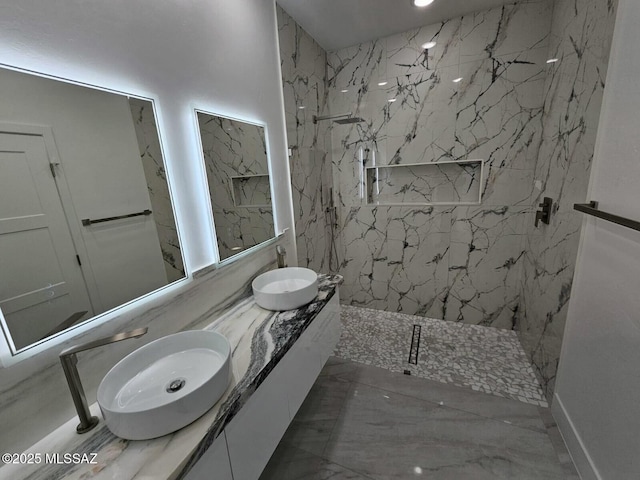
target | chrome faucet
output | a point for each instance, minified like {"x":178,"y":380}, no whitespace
{"x":69,"y":361}
{"x":282,"y":254}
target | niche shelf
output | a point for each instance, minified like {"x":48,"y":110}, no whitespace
{"x":454,"y":182}
{"x":251,"y":191}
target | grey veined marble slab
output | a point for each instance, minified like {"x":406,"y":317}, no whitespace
{"x":259,"y":339}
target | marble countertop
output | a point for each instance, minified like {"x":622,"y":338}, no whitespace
{"x":259,"y":339}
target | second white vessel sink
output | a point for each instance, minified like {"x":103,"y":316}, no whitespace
{"x":285,"y":288}
{"x":166,"y":384}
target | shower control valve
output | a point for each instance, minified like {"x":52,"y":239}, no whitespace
{"x":544,"y":215}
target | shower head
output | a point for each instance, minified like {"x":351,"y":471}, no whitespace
{"x":341,"y":119}
{"x":344,"y":121}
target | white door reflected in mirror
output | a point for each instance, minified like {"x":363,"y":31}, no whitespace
{"x":36,"y":244}
{"x":86,"y":220}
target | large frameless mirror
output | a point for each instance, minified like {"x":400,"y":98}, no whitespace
{"x":235,"y":157}
{"x":86,"y":220}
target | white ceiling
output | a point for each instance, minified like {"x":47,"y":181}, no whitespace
{"x":336,"y":24}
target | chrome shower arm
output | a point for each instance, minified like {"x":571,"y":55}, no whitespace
{"x":330,"y":117}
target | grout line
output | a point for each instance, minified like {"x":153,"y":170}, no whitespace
{"x":321,"y":457}
{"x":324,"y":450}
{"x":559,"y":445}
{"x":351,"y":469}
{"x":335,"y":422}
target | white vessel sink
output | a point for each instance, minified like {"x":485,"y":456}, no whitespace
{"x":285,"y":288}
{"x":166,"y":384}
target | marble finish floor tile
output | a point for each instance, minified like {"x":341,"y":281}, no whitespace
{"x":558,"y":443}
{"x":314,"y":421}
{"x":418,"y":437}
{"x":498,"y":408}
{"x":291,"y":463}
{"x":485,"y":359}
{"x":377,"y":424}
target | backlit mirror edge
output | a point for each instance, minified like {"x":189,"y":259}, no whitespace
{"x":9,"y":355}
{"x":240,"y":256}
{"x":9,"y":358}
{"x":205,"y":186}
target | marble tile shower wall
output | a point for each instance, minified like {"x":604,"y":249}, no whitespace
{"x":153,"y":165}
{"x":580,"y":39}
{"x":459,"y":263}
{"x":303,"y":74}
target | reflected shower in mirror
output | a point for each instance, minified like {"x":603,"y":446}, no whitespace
{"x":86,"y":220}
{"x":235,"y":157}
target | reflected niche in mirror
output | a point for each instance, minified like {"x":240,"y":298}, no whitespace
{"x":235,"y":157}
{"x":86,"y":221}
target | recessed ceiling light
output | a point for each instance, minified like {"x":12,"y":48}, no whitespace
{"x":552,"y":60}
{"x":428,"y":45}
{"x":422,"y":3}
{"x":382,"y":84}
{"x":344,"y":90}
{"x":457,"y":80}
{"x":391,"y":100}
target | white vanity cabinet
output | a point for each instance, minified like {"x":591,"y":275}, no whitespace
{"x":249,"y":440}
{"x":307,"y":356}
{"x":214,"y":464}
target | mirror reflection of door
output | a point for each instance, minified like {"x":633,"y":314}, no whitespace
{"x":47,"y":292}
{"x":106,"y":203}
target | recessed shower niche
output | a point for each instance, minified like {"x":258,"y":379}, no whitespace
{"x":251,"y":191}
{"x":438,"y":183}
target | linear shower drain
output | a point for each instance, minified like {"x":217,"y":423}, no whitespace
{"x":415,"y":345}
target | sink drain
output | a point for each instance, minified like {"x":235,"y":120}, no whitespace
{"x":175,"y":385}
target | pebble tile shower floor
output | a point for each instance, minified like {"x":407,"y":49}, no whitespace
{"x":481,"y":358}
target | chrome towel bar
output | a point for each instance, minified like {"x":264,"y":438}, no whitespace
{"x":86,"y":221}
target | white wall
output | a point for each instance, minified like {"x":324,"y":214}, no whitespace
{"x":598,"y":387}
{"x":217,"y":55}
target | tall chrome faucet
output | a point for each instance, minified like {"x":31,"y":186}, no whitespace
{"x":69,"y":361}
{"x":282,"y":254}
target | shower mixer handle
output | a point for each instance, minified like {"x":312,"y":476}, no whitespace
{"x":544,"y":215}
